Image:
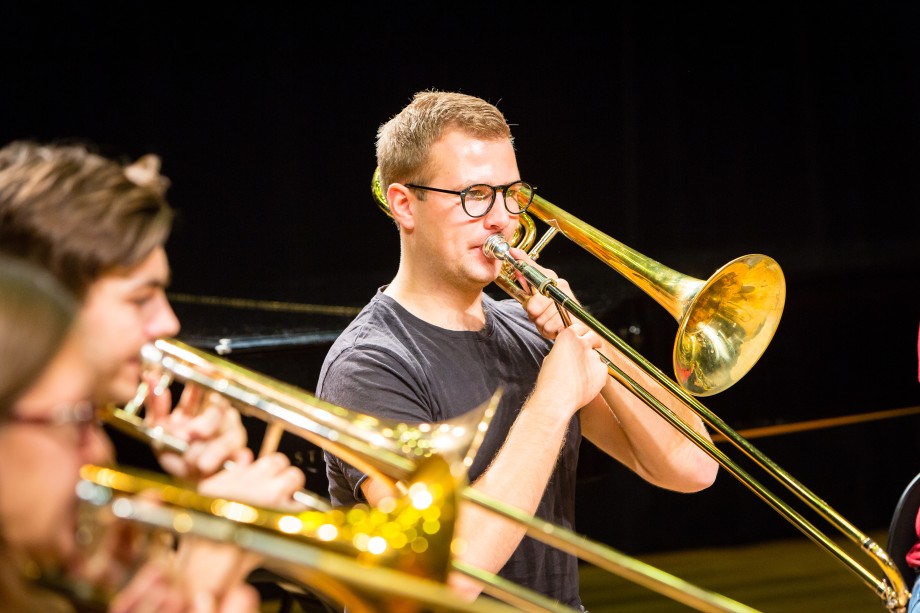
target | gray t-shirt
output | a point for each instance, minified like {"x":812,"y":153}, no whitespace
{"x":393,"y":365}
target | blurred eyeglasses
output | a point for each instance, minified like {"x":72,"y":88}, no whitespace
{"x":80,"y":416}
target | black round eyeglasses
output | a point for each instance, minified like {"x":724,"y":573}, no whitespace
{"x":477,"y":200}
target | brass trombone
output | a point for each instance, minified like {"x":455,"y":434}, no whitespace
{"x":386,"y":449}
{"x":300,"y":413}
{"x":364,"y":558}
{"x":725,"y":324}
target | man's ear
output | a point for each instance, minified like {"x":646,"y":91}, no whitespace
{"x":399,"y":199}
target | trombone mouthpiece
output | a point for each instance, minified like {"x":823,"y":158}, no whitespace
{"x":496,"y":247}
{"x":150,"y":354}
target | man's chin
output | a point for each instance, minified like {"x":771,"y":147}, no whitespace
{"x":119,"y":391}
{"x":484,"y":271}
{"x":120,"y":386}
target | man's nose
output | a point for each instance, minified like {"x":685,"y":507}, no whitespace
{"x":498,"y":216}
{"x":164,"y":322}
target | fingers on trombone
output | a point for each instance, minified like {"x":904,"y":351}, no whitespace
{"x":208,"y":455}
{"x":206,"y":421}
{"x":524,"y":284}
{"x":585,"y":332}
{"x":520,"y":254}
{"x":540,"y":310}
{"x":546,"y":316}
{"x":191,"y":401}
{"x":270,"y":481}
{"x":157,"y":400}
{"x":593,"y":343}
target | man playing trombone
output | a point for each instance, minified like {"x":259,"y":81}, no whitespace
{"x":432,"y":344}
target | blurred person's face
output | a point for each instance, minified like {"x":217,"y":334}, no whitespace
{"x":50,"y":434}
{"x":123,"y":311}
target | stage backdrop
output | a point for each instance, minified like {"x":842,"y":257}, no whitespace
{"x":692,"y":132}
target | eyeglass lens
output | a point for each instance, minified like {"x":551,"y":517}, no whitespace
{"x":478,"y":199}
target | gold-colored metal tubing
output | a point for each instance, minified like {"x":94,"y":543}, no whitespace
{"x":894,"y":592}
{"x":725,"y":322}
{"x":606,"y":558}
{"x":363,"y":586}
{"x":263,"y":397}
{"x":387,"y":449}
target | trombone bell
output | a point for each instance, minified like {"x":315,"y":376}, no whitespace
{"x":725,"y":323}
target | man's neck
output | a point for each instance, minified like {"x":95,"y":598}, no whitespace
{"x":439,"y":303}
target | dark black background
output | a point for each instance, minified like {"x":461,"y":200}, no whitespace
{"x":694,"y":132}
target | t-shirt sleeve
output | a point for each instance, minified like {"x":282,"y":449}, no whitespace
{"x":372,"y":381}
{"x":375,"y":381}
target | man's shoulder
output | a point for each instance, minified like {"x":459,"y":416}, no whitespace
{"x":373,"y":324}
{"x":375,"y":334}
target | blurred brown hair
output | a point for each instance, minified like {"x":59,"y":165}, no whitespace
{"x":79,"y":214}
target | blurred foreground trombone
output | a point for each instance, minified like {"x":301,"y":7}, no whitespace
{"x":393,"y":451}
{"x":393,"y":558}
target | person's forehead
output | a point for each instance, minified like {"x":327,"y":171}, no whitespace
{"x":151,"y":271}
{"x":467,"y":159}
